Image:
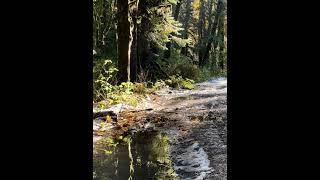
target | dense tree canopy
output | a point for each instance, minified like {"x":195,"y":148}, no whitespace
{"x":154,"y":39}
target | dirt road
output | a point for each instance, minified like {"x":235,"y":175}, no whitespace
{"x":196,"y":123}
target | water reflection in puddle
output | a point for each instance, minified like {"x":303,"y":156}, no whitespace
{"x":143,"y":156}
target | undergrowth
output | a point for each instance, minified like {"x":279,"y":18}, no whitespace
{"x":182,"y":74}
{"x":182,"y":66}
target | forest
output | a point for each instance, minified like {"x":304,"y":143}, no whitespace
{"x":149,"y":40}
{"x":159,"y":89}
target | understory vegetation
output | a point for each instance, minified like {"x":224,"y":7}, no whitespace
{"x":142,"y":46}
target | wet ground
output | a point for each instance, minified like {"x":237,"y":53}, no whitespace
{"x":189,"y":128}
{"x":145,"y":156}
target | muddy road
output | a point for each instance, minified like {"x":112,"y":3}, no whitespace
{"x":195,"y":123}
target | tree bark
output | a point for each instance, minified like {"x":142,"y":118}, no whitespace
{"x":184,"y":50}
{"x":123,"y":31}
{"x":202,"y":18}
{"x":116,"y":34}
{"x":134,"y":35}
{"x":142,"y":41}
{"x":221,"y":42}
{"x":210,"y":14}
{"x":201,"y":25}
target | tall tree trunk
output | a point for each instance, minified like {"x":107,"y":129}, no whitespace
{"x":202,"y":18}
{"x":210,"y":15}
{"x":116,"y":34}
{"x":176,"y":12}
{"x":221,"y":42}
{"x":212,"y":40}
{"x":123,"y":31}
{"x":94,"y":29}
{"x":201,"y":26}
{"x":142,"y":40}
{"x":184,"y":50}
{"x":134,"y":54}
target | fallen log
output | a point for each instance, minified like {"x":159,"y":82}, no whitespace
{"x":148,"y":109}
{"x":104,"y":114}
{"x":113,"y":115}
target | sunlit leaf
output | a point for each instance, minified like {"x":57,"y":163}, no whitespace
{"x":109,"y":119}
{"x":107,"y":152}
{"x":120,"y":137}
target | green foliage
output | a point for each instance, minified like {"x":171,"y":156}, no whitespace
{"x":125,"y":93}
{"x":159,"y":84}
{"x":156,"y":86}
{"x":173,"y":1}
{"x":179,"y":64}
{"x":103,"y":27}
{"x":180,"y":41}
{"x":103,"y":73}
{"x":156,"y":23}
{"x":188,"y":70}
{"x":108,"y":142}
{"x":160,"y":28}
{"x":123,"y":97}
{"x":163,"y":26}
{"x":177,"y":81}
{"x":139,"y":88}
{"x":107,"y":94}
{"x":183,"y":66}
{"x":126,"y":87}
{"x":188,"y":84}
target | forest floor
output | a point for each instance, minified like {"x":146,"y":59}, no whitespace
{"x":195,"y":122}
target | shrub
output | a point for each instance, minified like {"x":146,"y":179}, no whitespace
{"x":158,"y":85}
{"x":139,"y":88}
{"x":187,"y":84}
{"x":103,"y":73}
{"x":188,"y":71}
{"x":176,"y":81}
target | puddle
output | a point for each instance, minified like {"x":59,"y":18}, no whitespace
{"x":196,"y":155}
{"x":143,"y":156}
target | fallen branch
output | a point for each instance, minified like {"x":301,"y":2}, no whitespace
{"x":104,"y":113}
{"x":112,"y":114}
